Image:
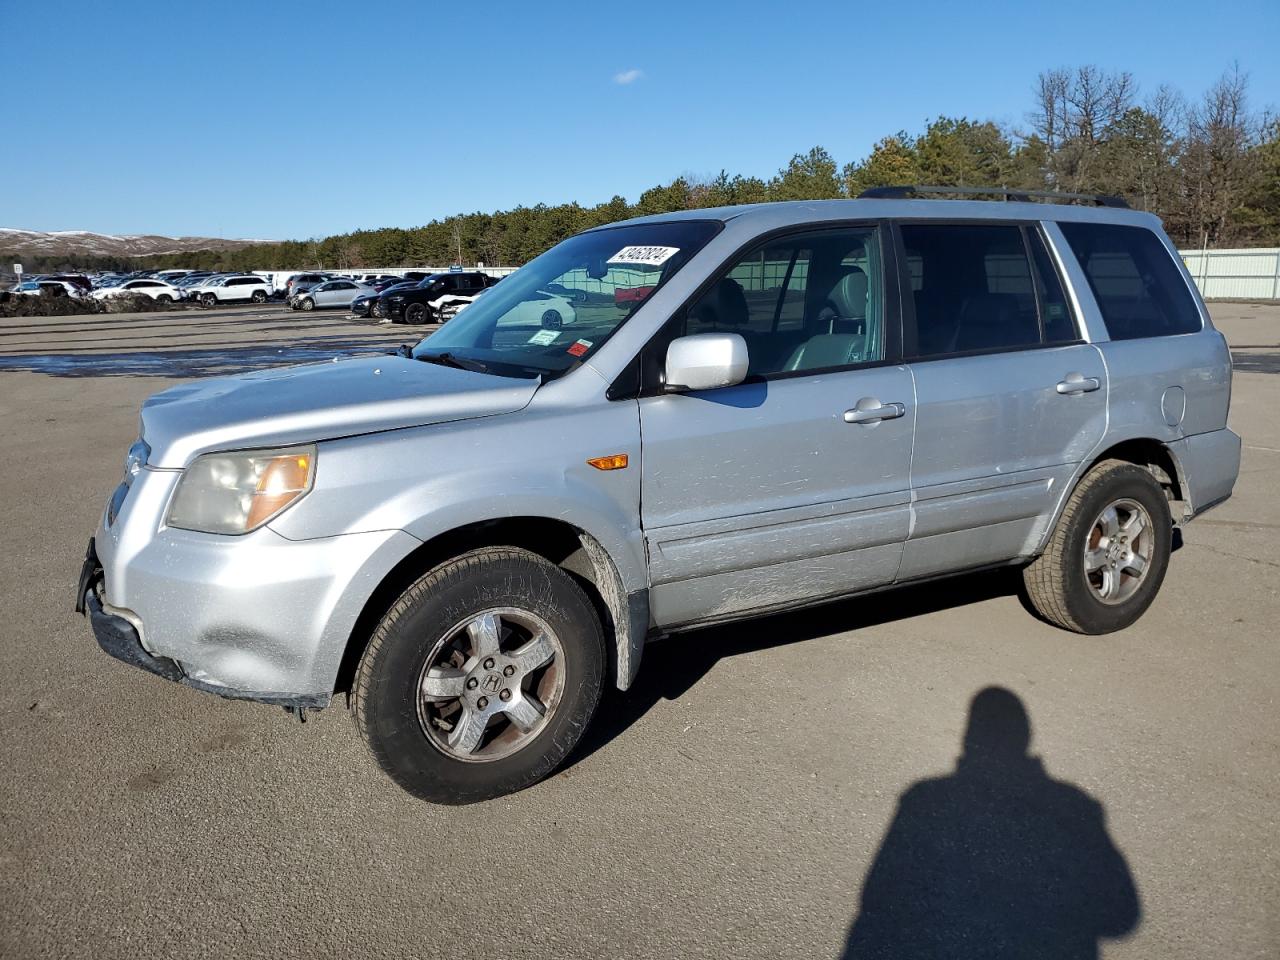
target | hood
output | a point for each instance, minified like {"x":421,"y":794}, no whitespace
{"x":321,"y":401}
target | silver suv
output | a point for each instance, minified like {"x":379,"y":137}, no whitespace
{"x":756,"y":408}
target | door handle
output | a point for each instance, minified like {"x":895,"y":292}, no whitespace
{"x":871,"y":410}
{"x":1077,"y":383}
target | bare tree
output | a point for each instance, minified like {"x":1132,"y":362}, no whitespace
{"x":1217,"y":160}
{"x":1074,"y":112}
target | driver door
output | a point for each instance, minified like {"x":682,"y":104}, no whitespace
{"x":781,"y":489}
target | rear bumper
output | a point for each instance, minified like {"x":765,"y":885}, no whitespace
{"x":1208,"y":464}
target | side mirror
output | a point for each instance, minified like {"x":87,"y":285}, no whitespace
{"x":705,"y":361}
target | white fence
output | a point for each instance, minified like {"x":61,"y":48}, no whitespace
{"x":1237,"y":274}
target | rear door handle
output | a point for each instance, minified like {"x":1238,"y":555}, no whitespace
{"x":871,"y":410}
{"x":1078,"y":383}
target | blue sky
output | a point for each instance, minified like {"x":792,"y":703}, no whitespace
{"x":286,"y":120}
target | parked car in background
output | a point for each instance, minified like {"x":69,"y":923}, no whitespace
{"x":371,"y":304}
{"x":436,"y":298}
{"x":546,"y":310}
{"x":232,"y":289}
{"x":61,"y":288}
{"x":302,"y":282}
{"x":78,"y":280}
{"x":331,"y":293}
{"x":157,"y":290}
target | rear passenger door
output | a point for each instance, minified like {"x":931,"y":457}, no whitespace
{"x":1009,"y":398}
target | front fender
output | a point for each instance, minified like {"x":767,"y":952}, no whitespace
{"x":430,"y":480}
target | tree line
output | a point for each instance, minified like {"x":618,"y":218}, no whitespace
{"x":1209,"y":167}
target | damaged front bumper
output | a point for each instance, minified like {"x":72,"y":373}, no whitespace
{"x":118,"y":637}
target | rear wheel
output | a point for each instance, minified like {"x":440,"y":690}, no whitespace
{"x":481,"y":678}
{"x":164,"y":298}
{"x":209,"y":300}
{"x":415,"y":313}
{"x":1108,"y":554}
{"x":259,"y":296}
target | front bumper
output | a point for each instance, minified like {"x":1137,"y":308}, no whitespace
{"x":119,"y":638}
{"x":257,"y":617}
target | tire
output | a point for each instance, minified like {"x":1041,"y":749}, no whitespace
{"x":1086,"y":580}
{"x":551,"y":320}
{"x":426,"y":638}
{"x":306,"y":304}
{"x":415,"y":313}
{"x":164,"y":298}
{"x":259,"y":296}
{"x":209,"y":300}
{"x":377,"y":310}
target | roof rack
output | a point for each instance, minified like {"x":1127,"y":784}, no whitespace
{"x":1005,"y":193}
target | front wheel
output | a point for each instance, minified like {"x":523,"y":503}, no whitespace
{"x":307,"y":304}
{"x":481,"y":678}
{"x":1108,"y":554}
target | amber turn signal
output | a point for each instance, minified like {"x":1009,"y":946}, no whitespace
{"x":284,"y":480}
{"x":617,"y":461}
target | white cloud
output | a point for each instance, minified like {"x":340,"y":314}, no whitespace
{"x":628,"y":76}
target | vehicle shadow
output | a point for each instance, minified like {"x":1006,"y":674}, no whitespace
{"x":672,"y":666}
{"x":997,"y":859}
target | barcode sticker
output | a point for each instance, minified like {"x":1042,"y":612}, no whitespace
{"x":648,"y":256}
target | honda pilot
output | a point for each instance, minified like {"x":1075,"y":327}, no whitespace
{"x":756,"y":408}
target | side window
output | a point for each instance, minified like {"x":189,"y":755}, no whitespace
{"x":972,"y":288}
{"x":810,"y":301}
{"x":1055,"y":312}
{"x":1139,"y":289}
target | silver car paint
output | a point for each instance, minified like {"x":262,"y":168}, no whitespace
{"x":317,"y":401}
{"x":755,"y":497}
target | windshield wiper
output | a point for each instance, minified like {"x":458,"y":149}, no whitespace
{"x":446,"y":359}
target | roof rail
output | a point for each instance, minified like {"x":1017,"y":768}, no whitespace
{"x":1005,"y":193}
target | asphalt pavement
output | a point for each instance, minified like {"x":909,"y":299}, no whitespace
{"x":736,"y":803}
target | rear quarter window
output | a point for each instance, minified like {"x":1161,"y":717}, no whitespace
{"x":1139,"y":289}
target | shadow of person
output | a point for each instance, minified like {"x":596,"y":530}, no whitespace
{"x":996,"y":860}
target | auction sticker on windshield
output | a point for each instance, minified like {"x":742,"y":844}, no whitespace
{"x":648,"y":256}
{"x":544,"y":337}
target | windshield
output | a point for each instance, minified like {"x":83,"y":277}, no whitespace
{"x":557,"y":310}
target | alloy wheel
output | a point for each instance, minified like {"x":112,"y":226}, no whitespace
{"x":1118,"y":552}
{"x":491,"y":685}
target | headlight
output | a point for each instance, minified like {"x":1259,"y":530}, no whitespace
{"x":238,"y":492}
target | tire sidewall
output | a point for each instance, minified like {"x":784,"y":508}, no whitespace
{"x":388,"y":699}
{"x":1094,"y":616}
